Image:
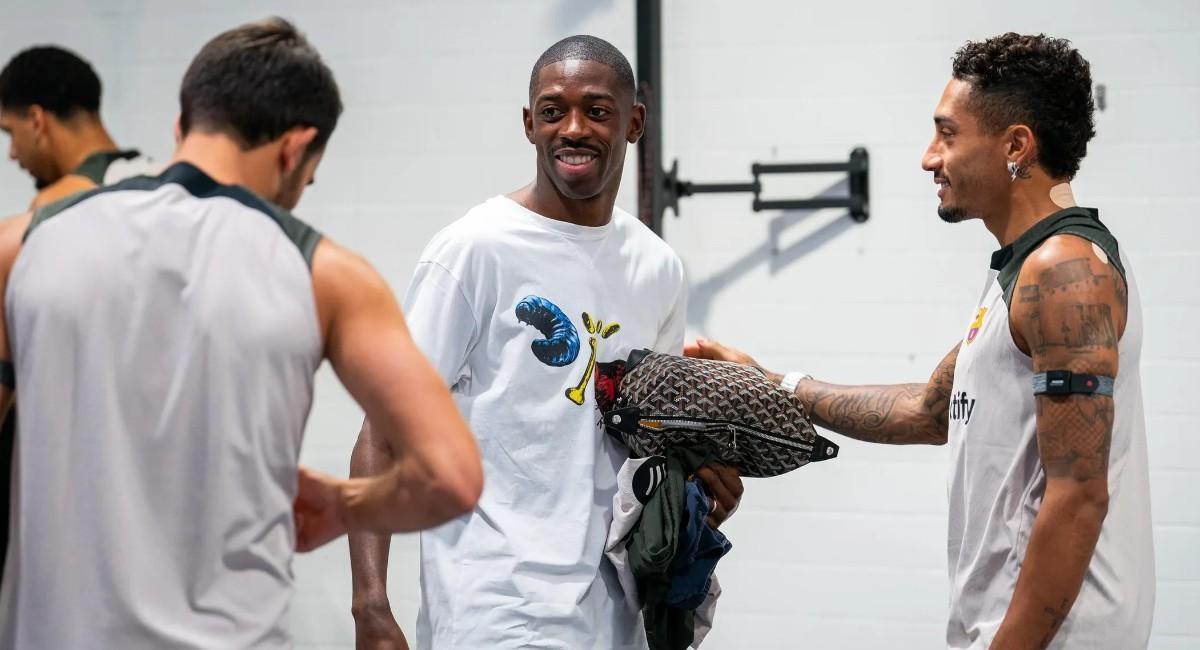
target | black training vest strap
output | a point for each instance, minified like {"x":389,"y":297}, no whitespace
{"x":95,"y":166}
{"x":1082,"y":222}
{"x":8,"y":375}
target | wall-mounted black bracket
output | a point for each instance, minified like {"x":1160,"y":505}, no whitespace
{"x":857,"y":200}
{"x":659,"y":189}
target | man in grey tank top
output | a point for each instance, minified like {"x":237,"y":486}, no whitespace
{"x":160,"y":337}
{"x":50,"y":110}
{"x":1040,"y":401}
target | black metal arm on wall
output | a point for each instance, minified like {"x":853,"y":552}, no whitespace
{"x":857,"y":201}
{"x":659,"y":189}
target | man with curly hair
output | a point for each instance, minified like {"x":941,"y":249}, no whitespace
{"x":1050,"y":539}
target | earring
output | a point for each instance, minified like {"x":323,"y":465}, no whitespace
{"x":1012,"y":170}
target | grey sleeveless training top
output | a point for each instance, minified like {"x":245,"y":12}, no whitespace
{"x":165,"y":335}
{"x":997,"y":480}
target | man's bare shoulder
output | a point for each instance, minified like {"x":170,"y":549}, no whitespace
{"x":343,"y":279}
{"x":61,"y":189}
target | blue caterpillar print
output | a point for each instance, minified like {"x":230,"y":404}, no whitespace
{"x":560,"y":347}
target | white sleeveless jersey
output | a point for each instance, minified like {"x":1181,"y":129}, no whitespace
{"x":997,"y":480}
{"x":164,"y":334}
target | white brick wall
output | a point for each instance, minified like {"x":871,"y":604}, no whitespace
{"x":844,"y":555}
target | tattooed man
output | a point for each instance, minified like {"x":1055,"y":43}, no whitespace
{"x":1041,"y":401}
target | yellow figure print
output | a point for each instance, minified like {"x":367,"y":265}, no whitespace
{"x":595,"y":328}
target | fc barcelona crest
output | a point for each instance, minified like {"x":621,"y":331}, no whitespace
{"x":976,"y":325}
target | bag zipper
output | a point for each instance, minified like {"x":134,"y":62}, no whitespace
{"x":733,"y":429}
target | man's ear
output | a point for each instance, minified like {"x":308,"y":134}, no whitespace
{"x":294,"y":146}
{"x":637,"y":124}
{"x":38,"y":119}
{"x":527,"y":118}
{"x":1021,"y":146}
{"x":178,"y":128}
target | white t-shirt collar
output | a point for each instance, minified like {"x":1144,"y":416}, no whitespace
{"x":564,"y":228}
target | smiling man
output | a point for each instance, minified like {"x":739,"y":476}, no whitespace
{"x":515,"y":304}
{"x":1050,"y":540}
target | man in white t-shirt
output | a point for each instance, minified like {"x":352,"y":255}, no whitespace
{"x":515,"y":304}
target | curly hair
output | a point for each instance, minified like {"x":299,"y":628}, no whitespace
{"x":1039,"y":81}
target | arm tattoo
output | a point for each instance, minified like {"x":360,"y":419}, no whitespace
{"x":1079,"y":326}
{"x":1067,"y":273}
{"x":1068,"y":320}
{"x":937,"y":395}
{"x":900,"y":414}
{"x":862,"y":412}
{"x":1029,"y":293}
{"x":1056,"y":616}
{"x":1074,"y":435}
{"x":1122,"y":290}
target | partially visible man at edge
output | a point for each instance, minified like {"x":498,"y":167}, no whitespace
{"x":50,"y":110}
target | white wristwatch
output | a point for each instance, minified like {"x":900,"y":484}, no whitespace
{"x":793,"y":379}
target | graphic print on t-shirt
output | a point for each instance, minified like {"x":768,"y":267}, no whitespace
{"x":608,"y":380}
{"x":595,"y":328}
{"x":560,"y":343}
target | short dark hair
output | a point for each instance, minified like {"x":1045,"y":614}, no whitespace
{"x":256,"y":81}
{"x":582,"y":47}
{"x":53,"y":78}
{"x":1038,"y":81}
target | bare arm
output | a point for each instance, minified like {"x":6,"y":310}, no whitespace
{"x":12,"y":231}
{"x":444,"y":324}
{"x":375,"y":626}
{"x":1069,"y":315}
{"x":899,"y":414}
{"x":436,"y":474}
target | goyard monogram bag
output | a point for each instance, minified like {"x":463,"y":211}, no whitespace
{"x":655,"y":401}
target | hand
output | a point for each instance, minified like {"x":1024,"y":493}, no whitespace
{"x":703,"y":348}
{"x":375,"y":628}
{"x":317,"y":510}
{"x":725,"y":486}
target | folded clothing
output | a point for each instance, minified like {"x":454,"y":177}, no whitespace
{"x":644,"y":545}
{"x":699,"y":548}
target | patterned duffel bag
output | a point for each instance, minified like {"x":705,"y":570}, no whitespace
{"x":654,"y":401}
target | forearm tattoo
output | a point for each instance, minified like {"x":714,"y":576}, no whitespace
{"x":1056,"y":615}
{"x":899,"y":414}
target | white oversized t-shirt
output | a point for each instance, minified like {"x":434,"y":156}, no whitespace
{"x":515,"y":310}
